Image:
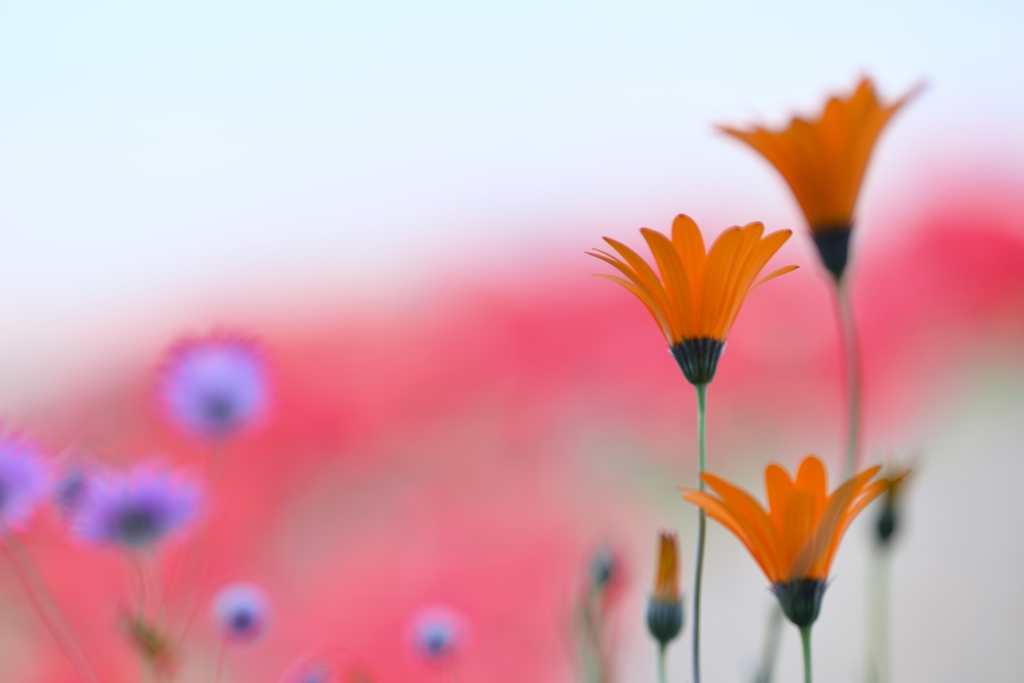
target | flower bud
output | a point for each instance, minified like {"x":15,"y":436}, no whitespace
{"x":665,"y":607}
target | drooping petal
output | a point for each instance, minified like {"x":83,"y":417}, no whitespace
{"x":752,"y":515}
{"x":717,"y":511}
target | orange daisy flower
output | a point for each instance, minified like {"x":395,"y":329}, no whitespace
{"x":824,"y":161}
{"x":665,"y":608}
{"x":696,"y":296}
{"x":795,"y":540}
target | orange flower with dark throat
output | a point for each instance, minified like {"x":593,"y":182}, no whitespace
{"x":823,"y":160}
{"x":795,"y":540}
{"x":696,"y":296}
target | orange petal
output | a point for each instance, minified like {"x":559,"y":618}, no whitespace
{"x":717,"y":511}
{"x":750,"y":513}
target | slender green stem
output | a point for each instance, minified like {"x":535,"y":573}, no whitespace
{"x":47,"y":609}
{"x":770,"y":650}
{"x":878,"y":638}
{"x":851,"y":349}
{"x":702,"y":395}
{"x":805,"y":636}
{"x":662,"y":678}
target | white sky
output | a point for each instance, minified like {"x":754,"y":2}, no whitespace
{"x":159,"y":159}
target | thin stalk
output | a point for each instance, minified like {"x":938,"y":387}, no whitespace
{"x":770,"y":651}
{"x":662,"y":678}
{"x":222,"y":655}
{"x":805,"y":636}
{"x":46,"y":607}
{"x":851,"y":350}
{"x":198,"y":556}
{"x":702,"y":395}
{"x":878,"y":638}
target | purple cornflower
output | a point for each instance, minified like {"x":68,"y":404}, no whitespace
{"x":437,"y":633}
{"x":71,"y":489}
{"x":24,"y":482}
{"x":310,"y":671}
{"x":138,"y":508}
{"x":241,"y":611}
{"x":215,"y":386}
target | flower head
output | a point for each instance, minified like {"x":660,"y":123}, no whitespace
{"x":138,"y":508}
{"x":888,"y":520}
{"x":698,"y":295}
{"x":824,"y":159}
{"x":215,"y":386}
{"x":795,"y":540}
{"x":242,"y":612}
{"x":72,"y":488}
{"x":437,"y":633}
{"x":24,"y":482}
{"x":310,"y":671}
{"x":665,"y":608}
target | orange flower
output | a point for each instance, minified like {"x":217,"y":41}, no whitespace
{"x":698,"y":295}
{"x":824,"y":160}
{"x":794,"y":541}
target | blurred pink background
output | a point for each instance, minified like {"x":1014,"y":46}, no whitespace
{"x":461,"y":414}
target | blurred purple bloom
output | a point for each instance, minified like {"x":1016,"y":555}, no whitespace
{"x":438,"y":633}
{"x":24,"y":482}
{"x":215,"y":386}
{"x":71,"y":490}
{"x":136,"y":509}
{"x":310,"y":671}
{"x":241,"y":611}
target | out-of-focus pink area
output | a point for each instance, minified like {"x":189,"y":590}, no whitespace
{"x":470,"y":451}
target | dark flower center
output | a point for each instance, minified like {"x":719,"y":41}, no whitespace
{"x":436,"y":642}
{"x":698,"y":358}
{"x":138,"y":525}
{"x":833,"y":244}
{"x":800,"y":599}
{"x":219,"y":410}
{"x":242,"y":620}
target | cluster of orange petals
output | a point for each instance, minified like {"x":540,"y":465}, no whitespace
{"x":824,"y":160}
{"x":698,"y":293}
{"x":797,"y":537}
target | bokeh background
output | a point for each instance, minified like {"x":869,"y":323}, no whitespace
{"x":395,"y":198}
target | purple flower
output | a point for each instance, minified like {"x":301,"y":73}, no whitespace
{"x":24,"y":482}
{"x":310,"y":671}
{"x":136,"y":509}
{"x":216,"y":386}
{"x":71,"y":490}
{"x":438,"y":633}
{"x":241,"y":611}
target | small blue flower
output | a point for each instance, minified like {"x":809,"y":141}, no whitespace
{"x":71,"y":490}
{"x":24,"y":482}
{"x":215,"y":386}
{"x":310,"y":671}
{"x":136,"y":509}
{"x":241,"y":611}
{"x":438,"y":633}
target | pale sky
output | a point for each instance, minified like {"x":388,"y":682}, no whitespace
{"x":161,"y":163}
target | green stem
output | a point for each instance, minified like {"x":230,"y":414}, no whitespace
{"x":878,"y":617}
{"x":851,"y":350}
{"x":805,"y":636}
{"x":662,"y":678}
{"x":770,"y":651}
{"x":702,"y":395}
